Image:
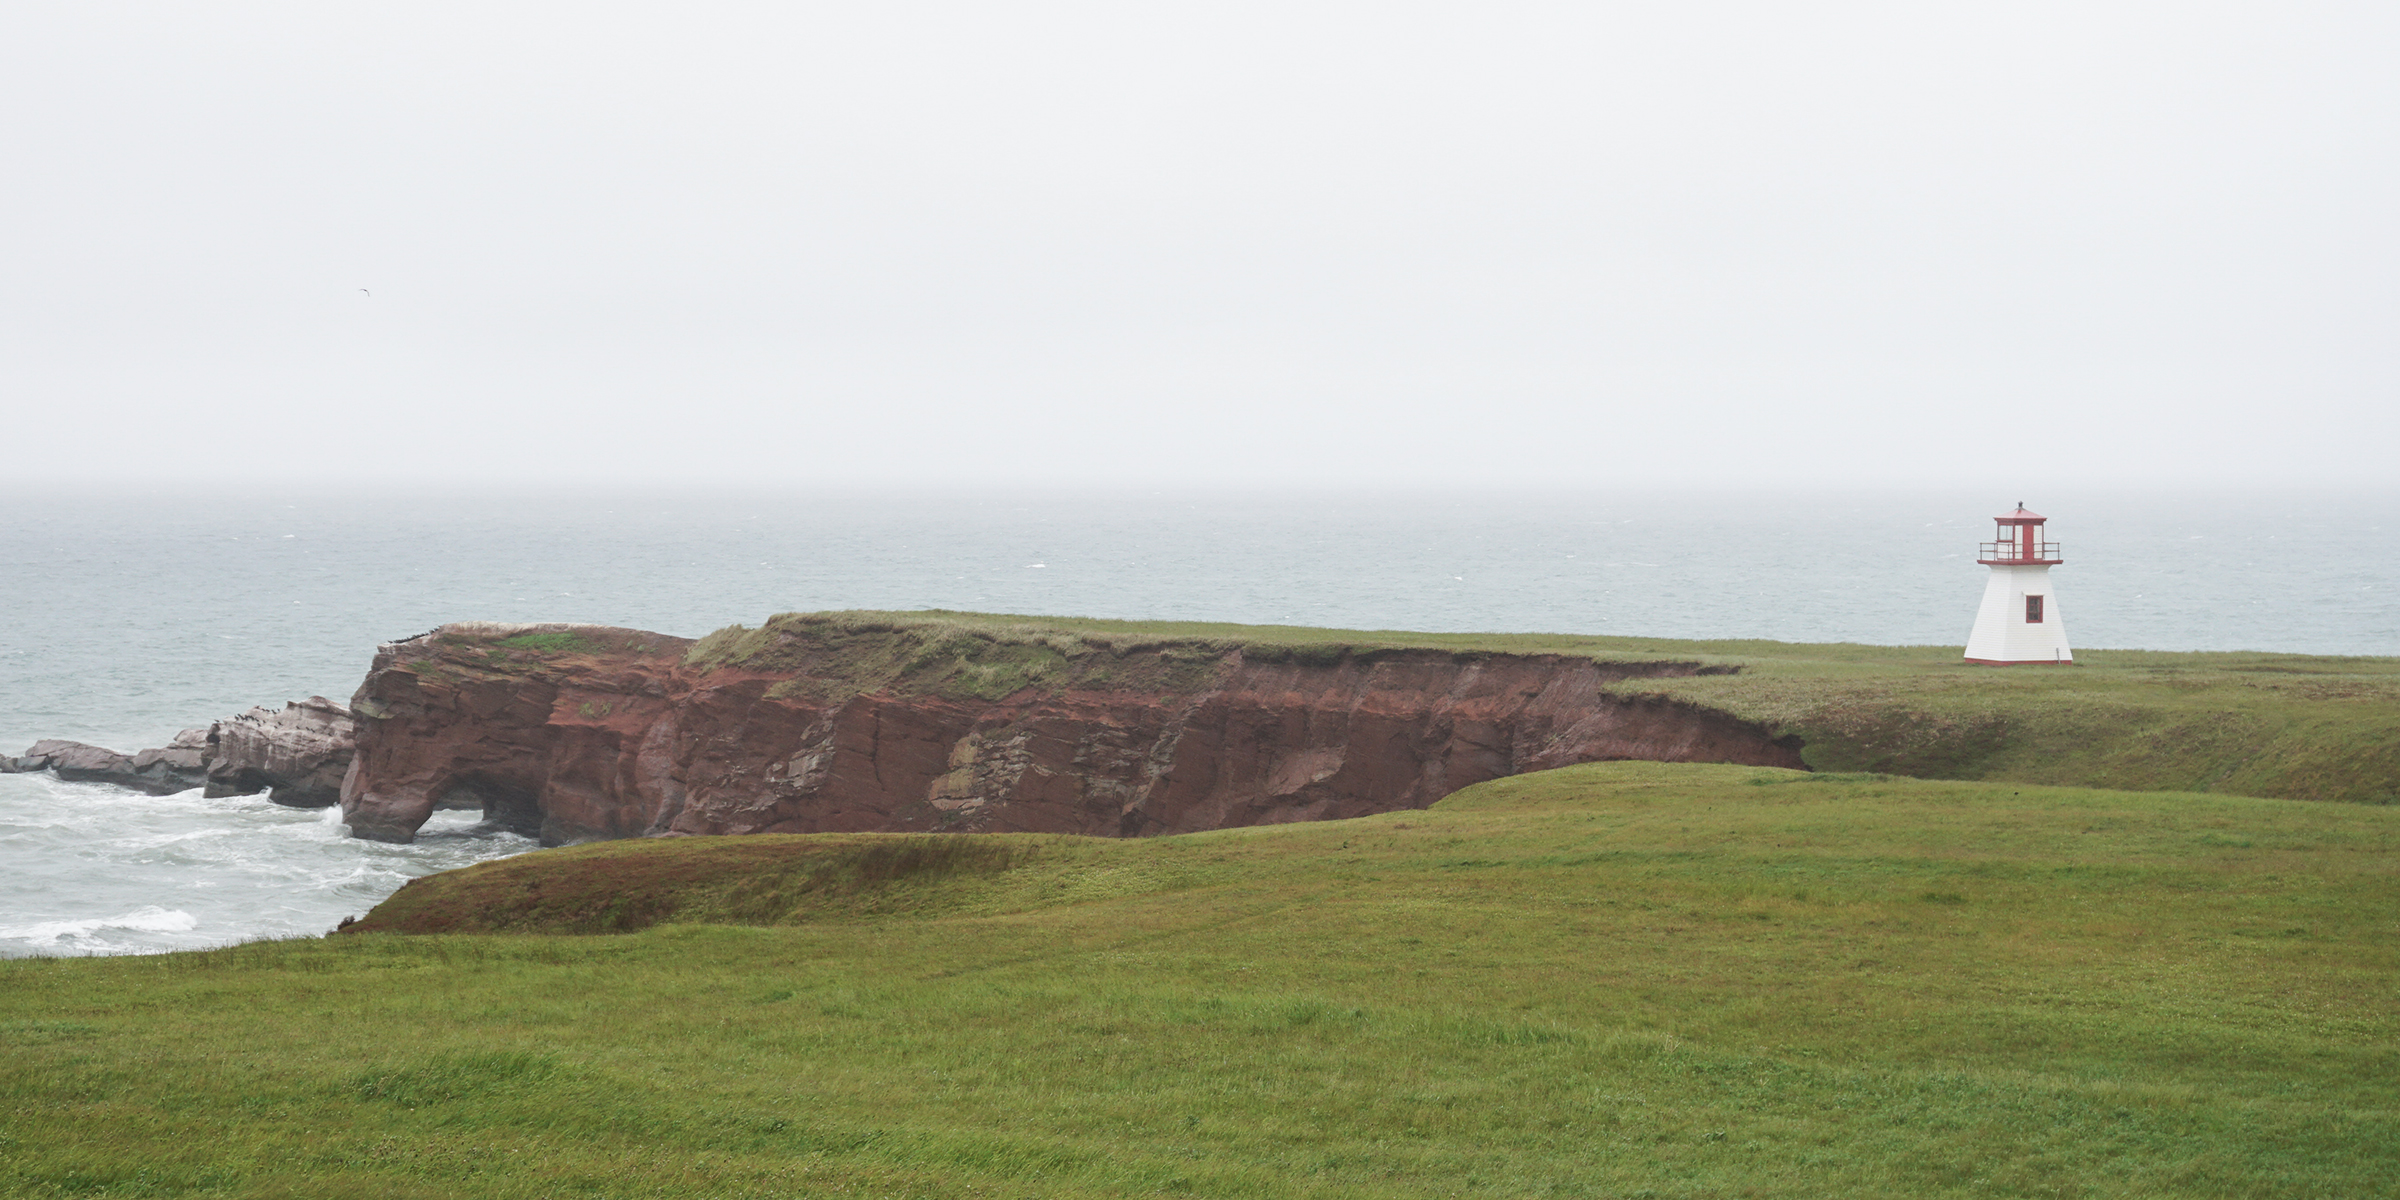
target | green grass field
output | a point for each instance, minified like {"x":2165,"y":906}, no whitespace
{"x":1611,"y":980}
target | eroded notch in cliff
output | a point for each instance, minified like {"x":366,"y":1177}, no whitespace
{"x":505,"y":805}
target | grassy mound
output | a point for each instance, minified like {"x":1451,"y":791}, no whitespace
{"x":622,"y":886}
{"x":1619,"y":979}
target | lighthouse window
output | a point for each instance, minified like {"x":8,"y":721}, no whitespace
{"x":2033,"y":610}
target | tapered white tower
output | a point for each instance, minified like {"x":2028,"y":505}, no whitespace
{"x":2019,"y":623}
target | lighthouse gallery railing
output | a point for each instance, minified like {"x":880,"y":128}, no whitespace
{"x":2017,"y":551}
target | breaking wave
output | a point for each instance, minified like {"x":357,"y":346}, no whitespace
{"x":89,"y":869}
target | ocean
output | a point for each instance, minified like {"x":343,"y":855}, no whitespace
{"x":131,"y":614}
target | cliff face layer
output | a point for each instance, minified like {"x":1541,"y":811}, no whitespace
{"x":813,"y":724}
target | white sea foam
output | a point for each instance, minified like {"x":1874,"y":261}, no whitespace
{"x":149,"y":918}
{"x":89,"y":869}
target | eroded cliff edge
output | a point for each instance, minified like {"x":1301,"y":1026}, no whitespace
{"x":828,"y":722}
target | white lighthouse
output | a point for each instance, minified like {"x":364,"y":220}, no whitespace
{"x":2019,"y":622}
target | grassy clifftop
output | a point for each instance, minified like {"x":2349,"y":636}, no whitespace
{"x":987,"y":655}
{"x":1616,"y":979}
{"x":2294,"y":726}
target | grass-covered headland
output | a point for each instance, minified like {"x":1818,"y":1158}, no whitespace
{"x":1611,"y":980}
{"x":2308,"y":727}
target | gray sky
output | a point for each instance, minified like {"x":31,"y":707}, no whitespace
{"x":2090,"y":243}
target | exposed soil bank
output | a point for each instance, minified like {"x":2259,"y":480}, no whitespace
{"x":816,"y":724}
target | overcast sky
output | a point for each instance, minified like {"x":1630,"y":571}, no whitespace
{"x":1219,"y":243}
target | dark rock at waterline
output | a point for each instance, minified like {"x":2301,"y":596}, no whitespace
{"x":178,"y":766}
{"x":297,"y":756}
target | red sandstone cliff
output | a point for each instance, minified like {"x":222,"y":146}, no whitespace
{"x":810,"y":725}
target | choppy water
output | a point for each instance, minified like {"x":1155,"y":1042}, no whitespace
{"x":125,"y":617}
{"x":91,"y":869}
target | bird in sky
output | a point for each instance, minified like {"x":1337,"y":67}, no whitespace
{"x":370,"y":295}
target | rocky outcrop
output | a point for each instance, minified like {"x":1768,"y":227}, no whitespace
{"x":578,"y":733}
{"x":298,"y":755}
{"x":176,"y":767}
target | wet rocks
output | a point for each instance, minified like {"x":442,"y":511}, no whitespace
{"x":178,"y":766}
{"x":297,"y":755}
